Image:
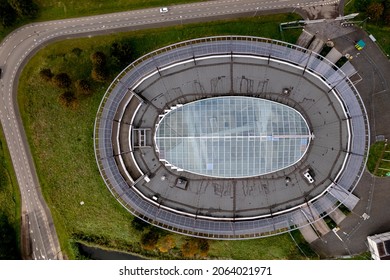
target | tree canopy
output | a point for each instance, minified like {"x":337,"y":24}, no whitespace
{"x":12,"y":10}
{"x":8,"y":243}
{"x":7,"y":14}
{"x":24,"y":8}
{"x":377,"y":11}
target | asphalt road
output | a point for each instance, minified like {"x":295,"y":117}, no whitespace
{"x":20,"y":45}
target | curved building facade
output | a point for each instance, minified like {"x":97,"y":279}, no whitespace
{"x":232,"y":137}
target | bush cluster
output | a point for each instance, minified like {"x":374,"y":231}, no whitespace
{"x":81,"y":87}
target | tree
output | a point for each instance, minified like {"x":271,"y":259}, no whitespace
{"x":387,"y":17}
{"x":139,"y":224}
{"x":98,"y":59}
{"x":204,"y":247}
{"x":46,"y":74}
{"x":189,"y":249}
{"x":121,"y":52}
{"x":68,"y":99}
{"x":8,"y":15}
{"x":99,"y":70}
{"x":386,"y":4}
{"x":149,"y":240}
{"x":62,"y":80}
{"x":99,"y":74}
{"x":24,"y":8}
{"x":375,"y":11}
{"x":165,"y":244}
{"x":11,"y":10}
{"x":361,"y":5}
{"x":8,"y":243}
{"x":195,"y":247}
{"x":83,"y":87}
{"x":386,"y":13}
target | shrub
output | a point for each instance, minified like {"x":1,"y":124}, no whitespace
{"x":83,"y":87}
{"x":8,"y":15}
{"x":361,"y":5}
{"x":46,"y":74}
{"x":189,"y":249}
{"x":77,"y":51}
{"x":8,"y":242}
{"x":195,"y":247}
{"x":204,"y":247}
{"x":122,"y":53}
{"x":375,"y":11}
{"x":62,"y":80}
{"x":24,"y":8}
{"x":68,"y":99}
{"x":98,"y":58}
{"x":99,"y":74}
{"x":139,"y":224}
{"x":165,"y":244}
{"x":149,"y":240}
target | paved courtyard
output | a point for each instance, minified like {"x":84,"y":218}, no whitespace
{"x":370,"y":216}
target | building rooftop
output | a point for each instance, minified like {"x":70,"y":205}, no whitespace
{"x":379,"y":246}
{"x":169,"y":82}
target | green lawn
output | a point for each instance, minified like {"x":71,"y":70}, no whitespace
{"x":378,"y":162}
{"x":9,"y":206}
{"x":271,"y":248}
{"x":349,"y":7}
{"x":382,"y":35}
{"x":62,"y":145}
{"x":374,"y":155}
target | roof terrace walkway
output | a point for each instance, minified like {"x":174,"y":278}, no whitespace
{"x":173,"y":198}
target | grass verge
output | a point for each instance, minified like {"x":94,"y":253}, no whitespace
{"x":62,"y":146}
{"x":349,"y":7}
{"x":382,"y":36}
{"x":9,"y":206}
{"x":378,"y":162}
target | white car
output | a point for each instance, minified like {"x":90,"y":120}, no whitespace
{"x":164,"y":10}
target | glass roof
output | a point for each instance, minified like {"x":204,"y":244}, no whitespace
{"x":231,"y":137}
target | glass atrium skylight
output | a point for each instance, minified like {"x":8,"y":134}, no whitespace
{"x":231,"y":137}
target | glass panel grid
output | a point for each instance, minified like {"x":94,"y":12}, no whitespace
{"x":232,"y":137}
